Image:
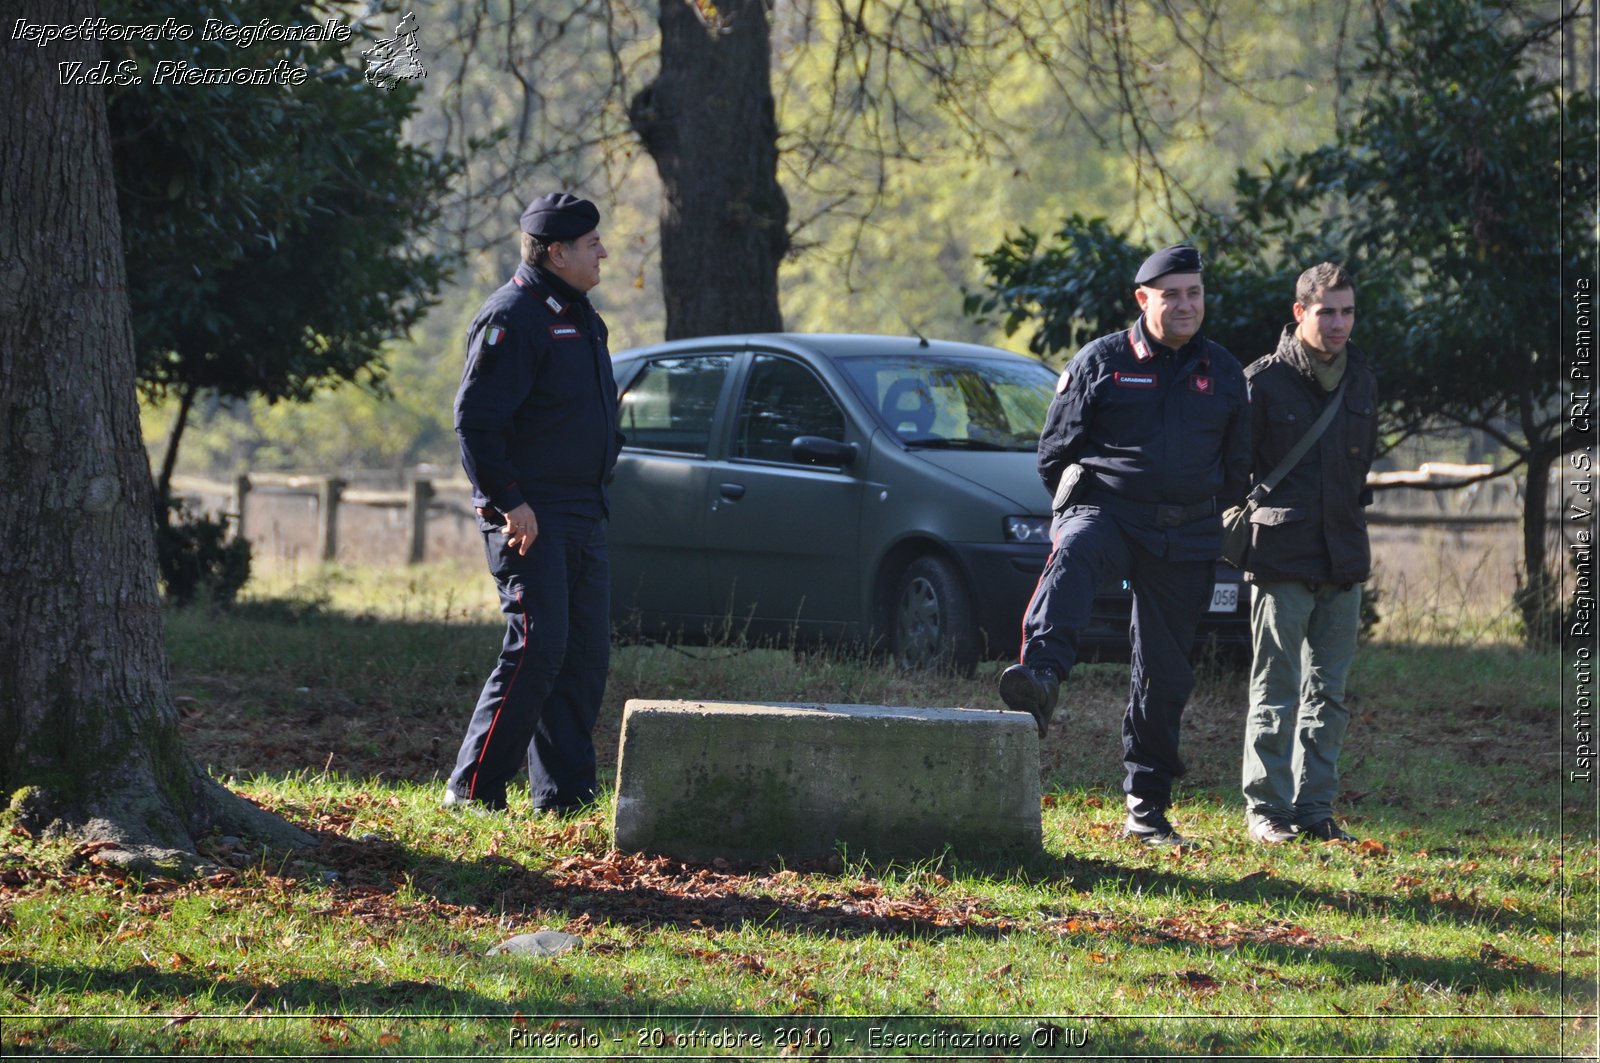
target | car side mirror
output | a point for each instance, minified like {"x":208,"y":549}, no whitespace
{"x":819,"y":450}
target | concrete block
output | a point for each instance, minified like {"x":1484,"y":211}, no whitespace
{"x":699,"y":780}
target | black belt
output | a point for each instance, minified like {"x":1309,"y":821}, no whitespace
{"x":1165,"y":516}
{"x":1172,"y":516}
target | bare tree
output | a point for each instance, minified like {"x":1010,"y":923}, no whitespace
{"x":528,"y":92}
{"x":89,"y":741}
{"x":698,"y":95}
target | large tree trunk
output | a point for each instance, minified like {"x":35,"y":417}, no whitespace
{"x":708,"y":121}
{"x":89,"y":740}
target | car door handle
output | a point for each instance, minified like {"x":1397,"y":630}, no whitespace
{"x":732,"y":492}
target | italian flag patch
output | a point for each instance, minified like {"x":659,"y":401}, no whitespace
{"x":496,"y":334}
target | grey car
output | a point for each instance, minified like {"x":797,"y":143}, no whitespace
{"x":790,"y":489}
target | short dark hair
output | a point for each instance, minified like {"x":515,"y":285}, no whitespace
{"x":1320,"y":279}
{"x":534,"y":250}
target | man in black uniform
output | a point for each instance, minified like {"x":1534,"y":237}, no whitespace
{"x":537,"y":419}
{"x":1146,"y":442}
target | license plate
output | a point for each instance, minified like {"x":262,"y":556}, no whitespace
{"x":1224,"y":597}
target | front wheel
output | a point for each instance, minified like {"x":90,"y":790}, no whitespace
{"x":932,"y":620}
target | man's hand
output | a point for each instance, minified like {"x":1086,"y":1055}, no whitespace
{"x":521,"y":529}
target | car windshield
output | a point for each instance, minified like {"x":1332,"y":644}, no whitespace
{"x":954,"y":401}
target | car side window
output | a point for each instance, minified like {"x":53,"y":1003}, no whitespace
{"x":670,"y":403}
{"x":782,"y":400}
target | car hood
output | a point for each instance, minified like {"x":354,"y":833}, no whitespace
{"x":1013,"y":474}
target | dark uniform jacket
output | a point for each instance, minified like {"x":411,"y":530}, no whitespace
{"x":536,"y":414}
{"x":1312,"y":527}
{"x":1153,"y":427}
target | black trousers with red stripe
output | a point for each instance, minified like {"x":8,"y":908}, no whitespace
{"x":543,"y":697}
{"x":1092,"y":550}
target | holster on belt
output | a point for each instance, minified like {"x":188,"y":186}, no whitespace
{"x":1070,"y":489}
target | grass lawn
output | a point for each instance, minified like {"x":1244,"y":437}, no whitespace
{"x":1462,"y":925}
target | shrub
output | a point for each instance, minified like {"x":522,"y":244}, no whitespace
{"x":197,"y":556}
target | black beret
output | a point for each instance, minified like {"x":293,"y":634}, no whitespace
{"x":1179,"y":258}
{"x":560,"y":216}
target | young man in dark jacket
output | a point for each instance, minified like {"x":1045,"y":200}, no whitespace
{"x":1309,"y":555}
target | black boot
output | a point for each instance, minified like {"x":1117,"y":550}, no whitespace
{"x":1031,"y":690}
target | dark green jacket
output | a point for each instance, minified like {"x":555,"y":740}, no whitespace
{"x":1312,"y":527}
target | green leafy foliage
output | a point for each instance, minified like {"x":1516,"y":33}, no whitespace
{"x":198,"y":559}
{"x":1080,"y":285}
{"x":1459,"y":198}
{"x":1077,"y":288}
{"x":273,"y":233}
{"x":1457,"y":238}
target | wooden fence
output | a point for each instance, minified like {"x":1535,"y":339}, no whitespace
{"x":1439,"y":493}
{"x":417,"y":501}
{"x":1406,"y":498}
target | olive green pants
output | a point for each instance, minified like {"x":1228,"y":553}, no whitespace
{"x":1303,"y":638}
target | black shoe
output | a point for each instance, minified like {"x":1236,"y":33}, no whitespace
{"x":1154,"y":830}
{"x":1031,"y":690}
{"x":562,"y":811}
{"x":1273,"y":831}
{"x":1327,"y":830}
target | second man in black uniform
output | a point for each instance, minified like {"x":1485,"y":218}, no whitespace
{"x":1146,"y":442}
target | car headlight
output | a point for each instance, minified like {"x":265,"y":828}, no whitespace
{"x":1028,"y":529}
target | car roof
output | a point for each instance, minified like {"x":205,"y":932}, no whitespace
{"x":830,"y":345}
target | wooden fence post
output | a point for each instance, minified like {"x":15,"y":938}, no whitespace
{"x":417,"y":519}
{"x":241,"y":491}
{"x":328,"y":502}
